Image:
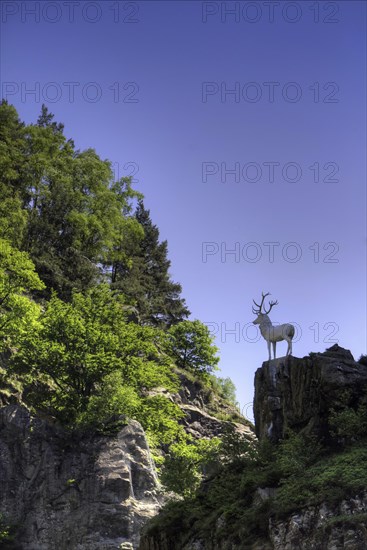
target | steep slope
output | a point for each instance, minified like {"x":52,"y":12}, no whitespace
{"x":61,"y":491}
{"x":302,"y":490}
{"x":206,"y":413}
{"x":77,"y":491}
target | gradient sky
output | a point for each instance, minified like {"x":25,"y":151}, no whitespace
{"x":244,"y":123}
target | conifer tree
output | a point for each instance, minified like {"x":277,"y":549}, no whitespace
{"x":60,"y":205}
{"x":12,"y":190}
{"x":146,"y":281}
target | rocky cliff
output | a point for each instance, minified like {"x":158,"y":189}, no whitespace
{"x":341,"y":527}
{"x":299,"y":393}
{"x":326,"y":499}
{"x":324,"y":527}
{"x":205,"y":412}
{"x":60,"y":490}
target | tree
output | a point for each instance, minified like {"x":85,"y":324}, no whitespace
{"x":61,"y":205}
{"x":191,"y":345}
{"x":85,"y":360}
{"x":18,"y":313}
{"x":185,"y":463}
{"x":13,"y":217}
{"x":145,"y":280}
{"x":225,"y":387}
{"x":45,"y":120}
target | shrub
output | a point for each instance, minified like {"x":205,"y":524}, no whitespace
{"x":349,"y":424}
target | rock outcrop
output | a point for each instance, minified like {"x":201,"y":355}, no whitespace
{"x":299,"y":393}
{"x":341,"y":527}
{"x":201,"y":408}
{"x":206,"y":414}
{"x":61,"y":492}
{"x":98,"y":492}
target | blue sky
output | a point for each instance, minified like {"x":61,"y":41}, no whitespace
{"x":244,"y":124}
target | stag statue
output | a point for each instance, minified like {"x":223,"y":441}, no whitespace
{"x":270,"y":333}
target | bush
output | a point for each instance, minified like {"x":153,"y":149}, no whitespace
{"x":349,"y":424}
{"x":191,"y":345}
{"x":225,"y":388}
{"x":332,"y":478}
{"x":297,"y":452}
{"x":299,"y":470}
{"x":183,"y":467}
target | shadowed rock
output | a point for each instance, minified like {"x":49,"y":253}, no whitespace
{"x":298,"y":393}
{"x":68,"y":493}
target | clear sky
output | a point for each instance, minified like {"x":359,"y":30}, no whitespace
{"x":244,"y":124}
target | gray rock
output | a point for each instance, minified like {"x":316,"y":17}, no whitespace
{"x":312,"y":528}
{"x":298,"y":393}
{"x":68,"y":493}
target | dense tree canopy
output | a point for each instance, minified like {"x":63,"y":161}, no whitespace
{"x":61,"y":205}
{"x":85,"y":348}
{"x":76,"y":260}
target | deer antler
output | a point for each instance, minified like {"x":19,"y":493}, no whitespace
{"x":271,"y":305}
{"x":257,"y":311}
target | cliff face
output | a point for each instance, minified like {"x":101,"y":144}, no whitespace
{"x":94,"y":492}
{"x":339,"y":527}
{"x":61,"y":492}
{"x":65,"y":492}
{"x":298,"y":393}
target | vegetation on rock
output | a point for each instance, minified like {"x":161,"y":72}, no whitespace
{"x":294,"y":474}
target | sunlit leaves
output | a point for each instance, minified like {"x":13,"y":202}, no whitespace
{"x":18,"y":313}
{"x":191,"y":344}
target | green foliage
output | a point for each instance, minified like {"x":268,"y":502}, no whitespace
{"x":61,"y":205}
{"x":13,"y":217}
{"x":225,"y":388}
{"x":112,"y":399}
{"x":184,"y":465}
{"x":332,"y":478}
{"x":191,"y":345}
{"x":349,"y":424}
{"x":296,"y":468}
{"x":74,"y":262}
{"x":296,"y":452}
{"x":236,"y":447}
{"x":90,"y":360}
{"x":18,"y":313}
{"x":12,"y":145}
{"x":159,"y":416}
{"x":228,"y":496}
{"x":145,"y":279}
